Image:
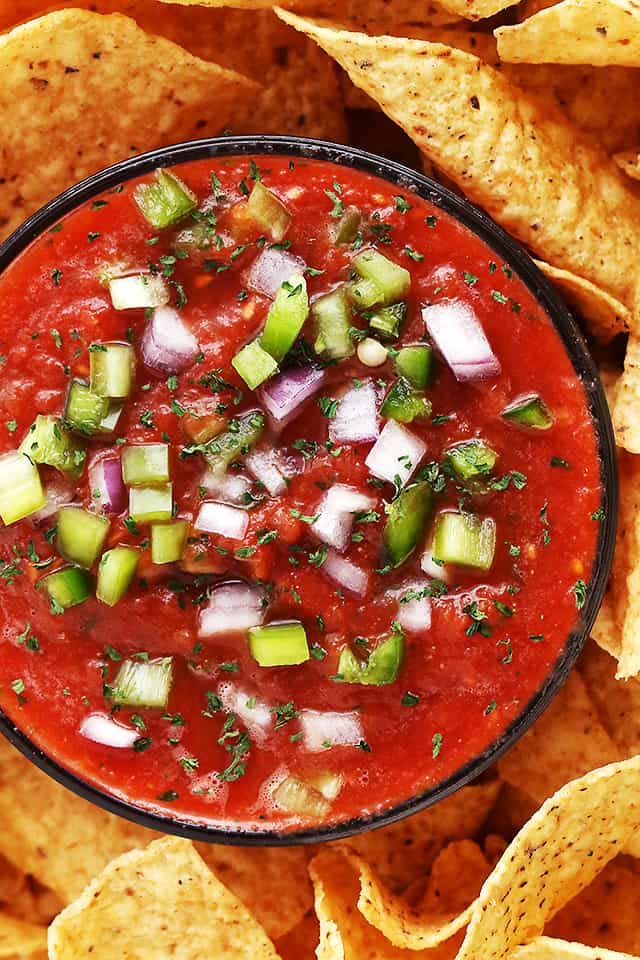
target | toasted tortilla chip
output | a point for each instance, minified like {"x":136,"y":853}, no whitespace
{"x":625,"y":585}
{"x":405,"y":926}
{"x":301,"y":942}
{"x":272,"y":882}
{"x":629,"y":161}
{"x":605,"y":914}
{"x":626,"y":413}
{"x":493,"y":140}
{"x":605,"y":316}
{"x":567,"y":741}
{"x":405,"y":851}
{"x":556,"y":855}
{"x":512,"y":809}
{"x":154,"y":903}
{"x":344,"y":933}
{"x":546,"y":948}
{"x":617,"y":701}
{"x":606,"y":631}
{"x":74,"y":64}
{"x":457,"y":874}
{"x":601,"y":32}
{"x":18,"y":937}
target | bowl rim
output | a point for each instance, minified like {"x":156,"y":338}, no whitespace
{"x":510,"y":251}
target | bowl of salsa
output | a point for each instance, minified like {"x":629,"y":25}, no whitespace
{"x":307,"y":486}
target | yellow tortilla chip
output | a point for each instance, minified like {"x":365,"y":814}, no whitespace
{"x":301,"y":942}
{"x":405,"y":851}
{"x":555,"y":856}
{"x":272,"y":882}
{"x":513,"y":808}
{"x":606,"y":630}
{"x":154,"y":903}
{"x":494,"y":140}
{"x":601,"y":32}
{"x":18,"y":937}
{"x":567,"y":741}
{"x":605,"y":914}
{"x":457,"y":874}
{"x":74,"y":64}
{"x":344,"y":932}
{"x":405,"y":926}
{"x":617,"y":701}
{"x":626,"y":413}
{"x":629,"y":161}
{"x":547,"y":948}
{"x":605,"y":316}
{"x":625,"y":584}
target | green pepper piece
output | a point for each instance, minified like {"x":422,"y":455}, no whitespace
{"x":464,"y":539}
{"x":407,"y":519}
{"x":286,"y":317}
{"x":84,"y":411}
{"x":381,"y":280}
{"x":279,"y":644}
{"x":529,"y":411}
{"x":416,"y":364}
{"x":268,"y":212}
{"x":81,"y":535}
{"x":166,"y":201}
{"x":49,"y":442}
{"x":472,"y":458}
{"x":68,"y":587}
{"x":387,"y":320}
{"x":254,"y":364}
{"x":381,"y":668}
{"x":228,"y":446}
{"x":116,"y":570}
{"x":405,"y":404}
{"x":332,"y":319}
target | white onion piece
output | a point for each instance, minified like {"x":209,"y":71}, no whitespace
{"x":345,"y":573}
{"x":335,"y":514}
{"x":59,"y":493}
{"x":320,"y":727}
{"x":232,"y":606}
{"x":267,"y":467}
{"x":139,"y":291}
{"x":356,"y":419}
{"x":457,"y":333}
{"x":270,"y":269}
{"x":396,"y":453}
{"x":168,"y":346}
{"x":105,"y":476}
{"x":283,"y":396}
{"x":414,"y":615}
{"x":101,"y":728}
{"x":435,"y":570}
{"x":215,"y":517}
{"x":226,"y":487}
{"x":257,"y":719}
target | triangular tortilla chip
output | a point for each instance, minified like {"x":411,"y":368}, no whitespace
{"x":548,"y":948}
{"x":20,"y":939}
{"x":604,"y":315}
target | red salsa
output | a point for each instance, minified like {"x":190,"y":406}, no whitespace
{"x":300,"y":493}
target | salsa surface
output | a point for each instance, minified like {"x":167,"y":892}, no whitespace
{"x":240,"y":743}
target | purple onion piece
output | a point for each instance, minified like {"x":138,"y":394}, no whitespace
{"x":168,"y":346}
{"x":457,"y":333}
{"x":283,"y":396}
{"x":105,"y":476}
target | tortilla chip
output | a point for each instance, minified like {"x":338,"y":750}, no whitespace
{"x":606,"y":631}
{"x":629,"y":161}
{"x":602,"y":32}
{"x":605,"y":914}
{"x":405,"y":926}
{"x":74,"y":64}
{"x":404,"y":851}
{"x":617,"y":701}
{"x":546,"y":948}
{"x":18,"y":937}
{"x":512,"y":809}
{"x":344,"y":933}
{"x":554,"y":857}
{"x":625,"y":584}
{"x":567,"y":741}
{"x":605,"y":316}
{"x":457,"y":874}
{"x":626,"y":413}
{"x":301,"y":942}
{"x":272,"y":882}
{"x":154,"y":903}
{"x":494,"y":140}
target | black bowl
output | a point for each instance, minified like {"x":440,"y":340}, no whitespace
{"x":509,"y":251}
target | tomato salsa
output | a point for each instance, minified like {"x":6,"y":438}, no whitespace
{"x":300,"y":493}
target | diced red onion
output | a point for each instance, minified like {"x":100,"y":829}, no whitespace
{"x":345,"y":573}
{"x":267,"y":467}
{"x":396,"y":453}
{"x":216,"y":517}
{"x":414,"y":615}
{"x":271,"y":269}
{"x":257,"y":718}
{"x":105,"y":476}
{"x":59,"y":492}
{"x":457,"y":333}
{"x":356,"y":419}
{"x":226,"y":487}
{"x":168,"y":346}
{"x":283,"y":396}
{"x":335,"y":515}
{"x":320,"y":727}
{"x":232,"y":606}
{"x":101,"y":728}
